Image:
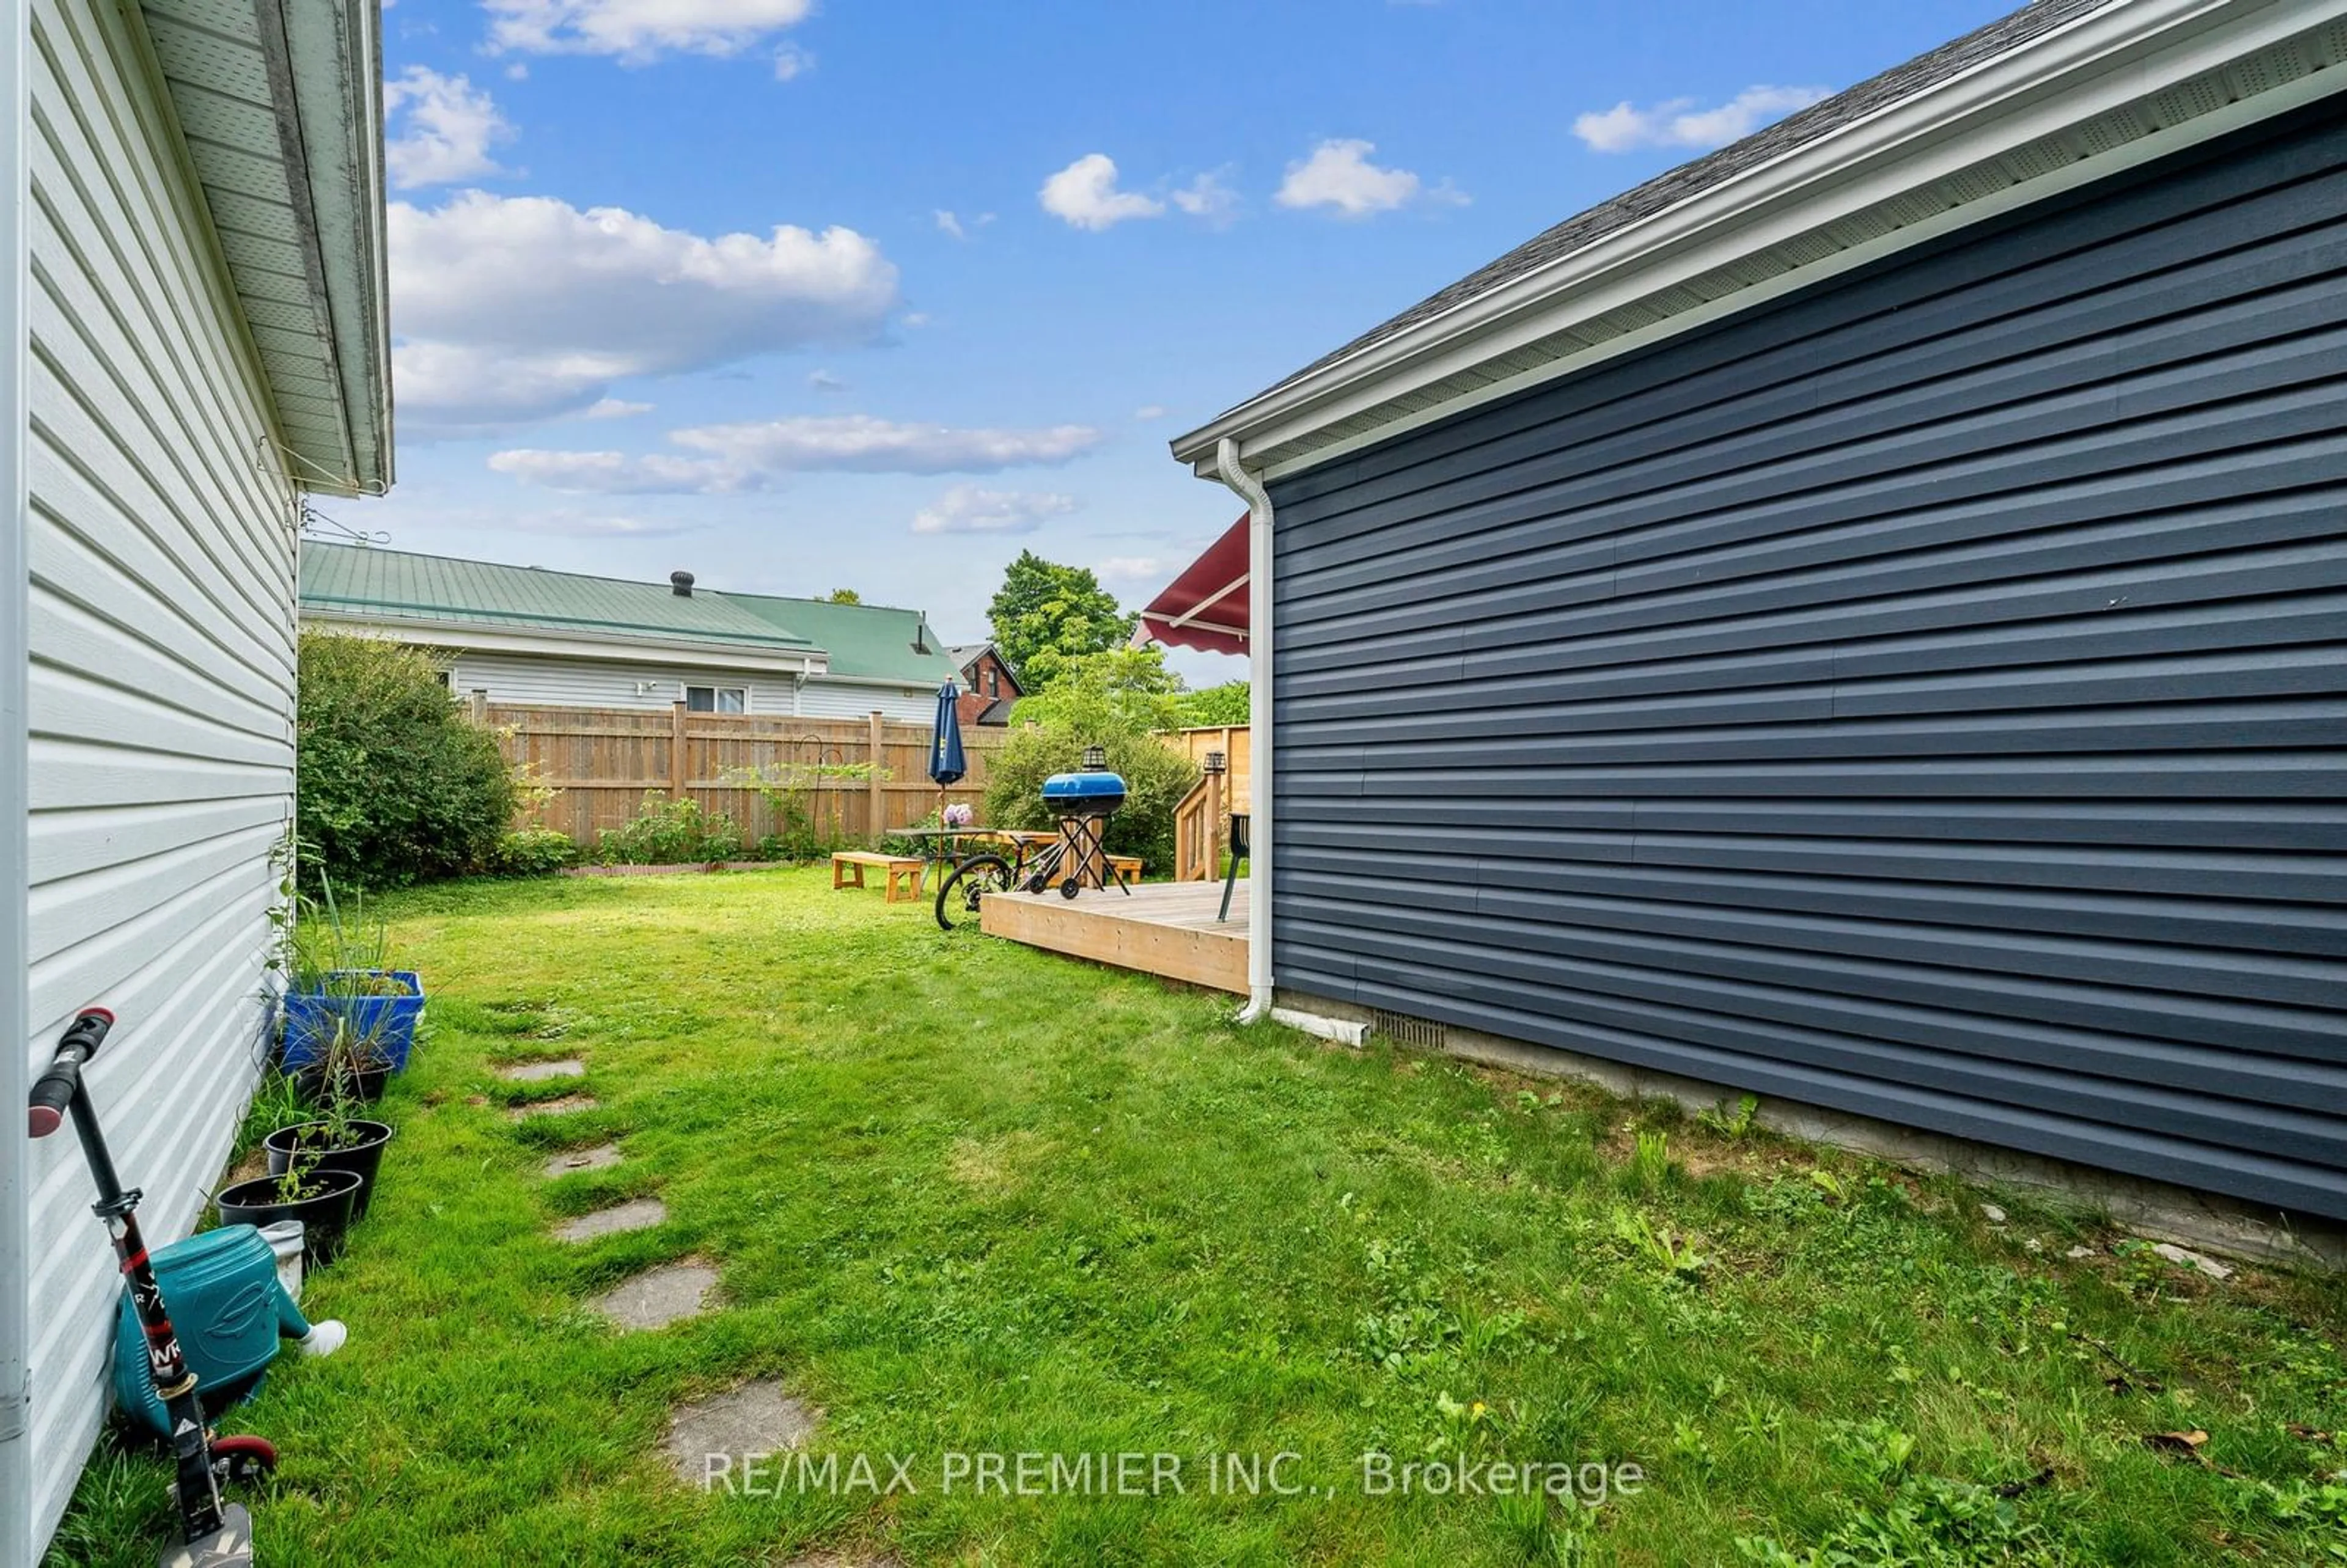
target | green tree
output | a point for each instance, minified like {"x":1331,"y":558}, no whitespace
{"x":843,"y":596}
{"x":393,"y":783}
{"x":1047,"y":614}
{"x":1122,"y":690}
{"x":1223,"y":705}
{"x":1116,"y":699}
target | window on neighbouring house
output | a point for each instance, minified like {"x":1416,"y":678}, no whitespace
{"x":993,"y":681}
{"x":716,"y":700}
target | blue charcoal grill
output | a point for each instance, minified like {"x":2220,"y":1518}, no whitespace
{"x":1083,"y":802}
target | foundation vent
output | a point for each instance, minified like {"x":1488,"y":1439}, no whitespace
{"x":1403,"y":1029}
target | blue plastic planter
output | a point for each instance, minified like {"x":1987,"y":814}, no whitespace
{"x":390,"y":1021}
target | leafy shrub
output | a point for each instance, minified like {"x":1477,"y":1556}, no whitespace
{"x":789,"y":790}
{"x":394,"y":785}
{"x":1156,"y":778}
{"x":533,"y":852}
{"x":667,"y":832}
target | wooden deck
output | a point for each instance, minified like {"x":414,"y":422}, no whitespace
{"x":1164,"y":928}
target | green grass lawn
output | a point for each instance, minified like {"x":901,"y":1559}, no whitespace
{"x":970,"y":1198}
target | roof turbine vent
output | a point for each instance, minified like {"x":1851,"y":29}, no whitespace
{"x":680,"y":583}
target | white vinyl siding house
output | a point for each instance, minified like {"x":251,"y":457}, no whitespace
{"x":524,"y":636}
{"x":164,"y":408}
{"x":585,"y":683}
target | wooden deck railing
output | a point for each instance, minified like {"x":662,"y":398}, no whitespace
{"x":1201,"y":820}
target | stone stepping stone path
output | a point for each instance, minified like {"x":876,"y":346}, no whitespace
{"x":561,"y":1107}
{"x":602,"y":1157}
{"x":640,"y":1213}
{"x":659,"y":1297}
{"x":761,"y":1418}
{"x":539,"y":1071}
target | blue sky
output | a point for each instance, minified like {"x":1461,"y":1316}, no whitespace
{"x":875,"y":294}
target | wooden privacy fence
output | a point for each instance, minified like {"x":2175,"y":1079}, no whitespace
{"x":603,"y":760}
{"x":1238,"y":755}
{"x":1202,"y":819}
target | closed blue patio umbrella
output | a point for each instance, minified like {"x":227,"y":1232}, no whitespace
{"x":947,"y":762}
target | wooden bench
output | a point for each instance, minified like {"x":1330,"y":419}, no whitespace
{"x":900,"y":868}
{"x":1124,"y":868}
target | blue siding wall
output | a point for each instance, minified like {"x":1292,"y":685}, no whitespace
{"x":1926,"y":698}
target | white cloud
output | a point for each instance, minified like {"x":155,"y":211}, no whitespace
{"x":1085,"y":195}
{"x":860,"y":443}
{"x":512,"y":309}
{"x":617,"y":474}
{"x":791,"y":61}
{"x":443,"y":128}
{"x":615,"y":408}
{"x":971,"y":509}
{"x":1150,"y":411}
{"x":1340,"y":175}
{"x":588,"y":525}
{"x":953,"y":223}
{"x":1135,"y":568}
{"x":1209,"y":198}
{"x":635,"y":32}
{"x":1678,"y":122}
{"x":732,"y":458}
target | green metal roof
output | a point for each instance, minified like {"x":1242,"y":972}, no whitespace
{"x":868,"y":640}
{"x":874,"y":641}
{"x":355,"y":580}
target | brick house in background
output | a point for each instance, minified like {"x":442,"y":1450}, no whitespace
{"x":989,"y":685}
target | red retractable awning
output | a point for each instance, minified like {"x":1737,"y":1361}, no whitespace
{"x":1206,"y":607}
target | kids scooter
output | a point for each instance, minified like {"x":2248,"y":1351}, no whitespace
{"x":214,"y":1534}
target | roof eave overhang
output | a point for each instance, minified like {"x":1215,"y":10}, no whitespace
{"x":279,"y":108}
{"x":2114,"y":87}
{"x":482,"y":637}
{"x":333,"y":56}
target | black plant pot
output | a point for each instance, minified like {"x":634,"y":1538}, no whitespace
{"x":366,"y":1085}
{"x":363,"y":1158}
{"x":324,"y":1215}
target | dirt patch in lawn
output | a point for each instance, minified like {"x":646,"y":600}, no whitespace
{"x":993,"y":1167}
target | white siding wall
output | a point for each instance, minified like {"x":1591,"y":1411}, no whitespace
{"x":586,"y":684}
{"x":824,"y":699}
{"x":161,"y":688}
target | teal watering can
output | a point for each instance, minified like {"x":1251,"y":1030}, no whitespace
{"x":230,"y":1312}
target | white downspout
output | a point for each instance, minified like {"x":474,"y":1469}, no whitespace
{"x":1248,"y":488}
{"x":15,"y":1010}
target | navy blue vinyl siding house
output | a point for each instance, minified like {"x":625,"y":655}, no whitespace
{"x":1919,"y":693}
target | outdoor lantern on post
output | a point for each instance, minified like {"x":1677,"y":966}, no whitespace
{"x":1215,"y":764}
{"x":1095,"y":758}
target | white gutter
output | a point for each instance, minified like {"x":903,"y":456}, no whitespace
{"x":1248,"y":488}
{"x":16,"y":1011}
